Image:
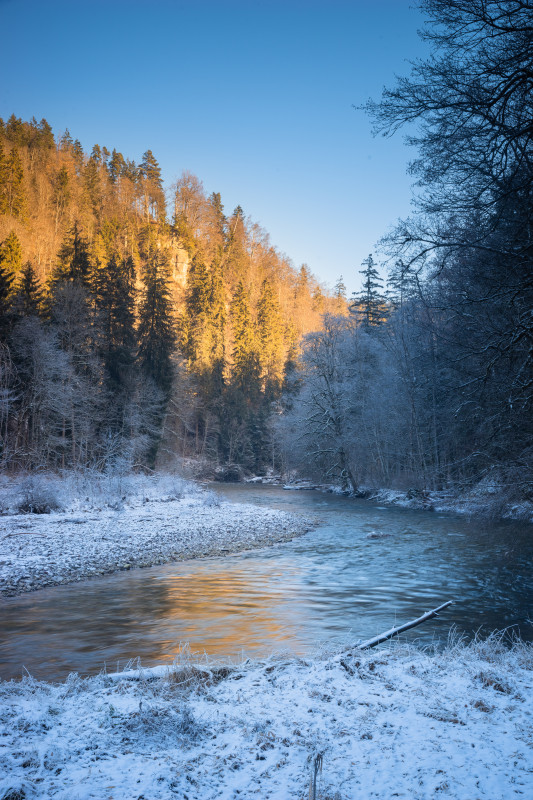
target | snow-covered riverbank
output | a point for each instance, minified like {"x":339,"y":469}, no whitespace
{"x":483,"y":500}
{"x":157,"y":523}
{"x":393,"y":723}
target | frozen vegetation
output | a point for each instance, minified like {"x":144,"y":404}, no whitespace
{"x":59,"y":531}
{"x":398,"y":722}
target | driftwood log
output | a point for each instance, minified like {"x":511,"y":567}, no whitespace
{"x":382,"y":637}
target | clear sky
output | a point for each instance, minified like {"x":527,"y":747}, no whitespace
{"x":253,"y":96}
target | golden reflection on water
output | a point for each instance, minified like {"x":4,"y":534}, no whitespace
{"x":219,"y":612}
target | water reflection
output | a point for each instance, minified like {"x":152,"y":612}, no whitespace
{"x":344,"y":581}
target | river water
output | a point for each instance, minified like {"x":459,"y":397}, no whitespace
{"x":362,"y":570}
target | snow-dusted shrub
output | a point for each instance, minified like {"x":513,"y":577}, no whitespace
{"x":36,"y":495}
{"x":15,"y":789}
{"x":157,"y":722}
{"x":211,"y":499}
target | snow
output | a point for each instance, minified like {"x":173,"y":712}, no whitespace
{"x":154,"y":523}
{"x":398,"y":722}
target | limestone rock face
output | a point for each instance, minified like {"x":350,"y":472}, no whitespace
{"x":179,"y":259}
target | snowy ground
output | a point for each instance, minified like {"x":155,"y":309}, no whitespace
{"x":139,"y":523}
{"x":393,"y":723}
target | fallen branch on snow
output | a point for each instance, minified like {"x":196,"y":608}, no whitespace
{"x":382,"y":637}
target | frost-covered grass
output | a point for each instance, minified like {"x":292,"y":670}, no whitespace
{"x":392,"y":723}
{"x":86,"y":490}
{"x":110,"y":523}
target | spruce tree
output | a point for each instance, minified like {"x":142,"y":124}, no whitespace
{"x":46,"y":136}
{"x":218,"y":214}
{"x":6,"y":314}
{"x":66,"y":142}
{"x":14,"y":185}
{"x":218,"y":322}
{"x":29,"y":296}
{"x":3,"y":181}
{"x":73,"y":259}
{"x":156,"y":331}
{"x":116,"y":166}
{"x":339,"y":294}
{"x":78,"y":155}
{"x":198,"y":341}
{"x":11,"y":253}
{"x":246,"y":368}
{"x":318,"y":300}
{"x":369,"y":303}
{"x":271,"y":333}
{"x":93,"y":186}
{"x":61,"y":196}
{"x":113,"y":293}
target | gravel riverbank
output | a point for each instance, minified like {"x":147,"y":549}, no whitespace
{"x":51,"y":549}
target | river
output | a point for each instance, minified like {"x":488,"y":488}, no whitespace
{"x":363,"y":569}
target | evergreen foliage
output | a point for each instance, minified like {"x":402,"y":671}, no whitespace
{"x":95,"y":363}
{"x":11,"y":253}
{"x":369,"y":304}
{"x":73,"y":261}
{"x":156,"y":330}
{"x":29,"y":296}
{"x":246,"y":370}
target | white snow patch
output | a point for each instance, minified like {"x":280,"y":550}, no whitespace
{"x":393,"y":723}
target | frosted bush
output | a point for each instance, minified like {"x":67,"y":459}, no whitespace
{"x":211,"y":499}
{"x":36,"y":495}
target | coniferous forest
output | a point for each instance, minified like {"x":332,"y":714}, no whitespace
{"x":136,"y":331}
{"x":139,"y":327}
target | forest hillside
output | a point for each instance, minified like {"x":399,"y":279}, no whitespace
{"x":137,"y":326}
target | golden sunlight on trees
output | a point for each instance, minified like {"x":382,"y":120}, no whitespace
{"x":129,"y":336}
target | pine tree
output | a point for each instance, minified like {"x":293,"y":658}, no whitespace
{"x":152,"y":187}
{"x":96,"y":155}
{"x":369,"y":303}
{"x":156,"y":331}
{"x":116,"y":166}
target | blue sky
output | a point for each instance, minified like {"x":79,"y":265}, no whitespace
{"x":256,"y":98}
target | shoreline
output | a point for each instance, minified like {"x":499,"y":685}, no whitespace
{"x":45,"y":550}
{"x":480,"y":502}
{"x":456,"y":723}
